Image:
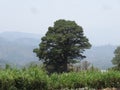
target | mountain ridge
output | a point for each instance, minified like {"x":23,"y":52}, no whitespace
{"x":18,"y":49}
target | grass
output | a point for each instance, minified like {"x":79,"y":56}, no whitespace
{"x":36,"y":78}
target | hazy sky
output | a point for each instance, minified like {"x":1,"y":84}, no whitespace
{"x":99,"y":18}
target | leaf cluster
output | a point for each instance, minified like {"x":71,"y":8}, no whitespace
{"x":64,"y":41}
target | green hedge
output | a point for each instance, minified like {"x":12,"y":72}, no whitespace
{"x":35,"y":78}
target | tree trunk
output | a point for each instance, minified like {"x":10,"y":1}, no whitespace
{"x":62,"y":66}
{"x":65,"y":67}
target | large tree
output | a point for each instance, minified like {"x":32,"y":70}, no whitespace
{"x":63,"y":43}
{"x":116,"y":59}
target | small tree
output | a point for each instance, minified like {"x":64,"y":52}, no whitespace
{"x":85,"y":65}
{"x":116,"y":59}
{"x":63,"y":43}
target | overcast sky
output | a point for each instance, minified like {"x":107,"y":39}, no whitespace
{"x":100,"y":19}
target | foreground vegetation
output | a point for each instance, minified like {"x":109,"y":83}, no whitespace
{"x":35,"y":78}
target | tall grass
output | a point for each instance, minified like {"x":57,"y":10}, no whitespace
{"x":33,"y":78}
{"x":36,"y":78}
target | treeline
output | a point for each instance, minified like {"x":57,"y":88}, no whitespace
{"x":36,"y":78}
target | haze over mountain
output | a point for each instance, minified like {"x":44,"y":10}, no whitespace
{"x":17,"y":48}
{"x":101,"y":56}
{"x":11,"y":36}
{"x":99,"y":18}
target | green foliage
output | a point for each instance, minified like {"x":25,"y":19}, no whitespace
{"x":116,"y":59}
{"x":35,"y":78}
{"x":92,"y":68}
{"x":63,"y":43}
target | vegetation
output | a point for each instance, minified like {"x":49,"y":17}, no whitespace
{"x":85,"y":65}
{"x":63,"y":43}
{"x":116,"y":59}
{"x":36,"y":78}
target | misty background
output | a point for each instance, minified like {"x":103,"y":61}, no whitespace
{"x":24,"y":22}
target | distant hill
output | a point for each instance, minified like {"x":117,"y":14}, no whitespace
{"x":11,"y":36}
{"x":101,"y":56}
{"x":17,"y":48}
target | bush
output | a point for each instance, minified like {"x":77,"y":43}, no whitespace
{"x":35,"y":78}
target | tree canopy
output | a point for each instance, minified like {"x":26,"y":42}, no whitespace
{"x":116,"y":59}
{"x":62,"y":44}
